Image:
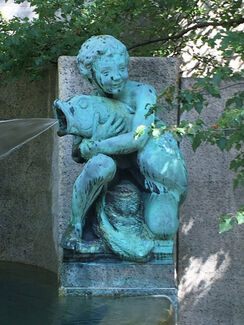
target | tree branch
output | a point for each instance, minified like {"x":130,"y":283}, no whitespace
{"x":185,"y":31}
{"x":235,"y":84}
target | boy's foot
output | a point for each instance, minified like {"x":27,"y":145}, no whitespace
{"x":71,"y":238}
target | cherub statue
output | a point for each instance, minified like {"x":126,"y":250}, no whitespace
{"x":104,"y":128}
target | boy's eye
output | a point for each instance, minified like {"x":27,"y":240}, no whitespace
{"x":105,"y":73}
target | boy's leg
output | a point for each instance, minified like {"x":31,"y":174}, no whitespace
{"x":97,"y":172}
{"x":166,"y":178}
{"x":161,"y":215}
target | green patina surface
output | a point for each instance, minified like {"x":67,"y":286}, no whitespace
{"x":136,"y":184}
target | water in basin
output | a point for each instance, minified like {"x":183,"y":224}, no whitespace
{"x":29,"y":296}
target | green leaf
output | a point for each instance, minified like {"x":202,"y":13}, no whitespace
{"x":235,"y":183}
{"x":199,"y":122}
{"x":188,"y":96}
{"x":221,"y":143}
{"x":239,"y":217}
{"x":226,"y":223}
{"x":196,"y":142}
{"x":217,"y":78}
{"x":198,"y":107}
{"x":140,"y":130}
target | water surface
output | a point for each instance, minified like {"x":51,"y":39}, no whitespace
{"x":28,"y":296}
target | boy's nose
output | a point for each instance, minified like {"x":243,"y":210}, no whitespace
{"x":116,"y":76}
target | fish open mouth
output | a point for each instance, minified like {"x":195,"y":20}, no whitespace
{"x":61,"y":117}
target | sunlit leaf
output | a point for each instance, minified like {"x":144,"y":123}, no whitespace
{"x":240,"y":217}
{"x":226,"y":223}
{"x":140,"y":130}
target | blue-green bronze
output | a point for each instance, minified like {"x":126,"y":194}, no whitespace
{"x":136,"y":184}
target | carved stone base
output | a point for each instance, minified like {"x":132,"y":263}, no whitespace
{"x":162,"y":253}
{"x":118,"y":278}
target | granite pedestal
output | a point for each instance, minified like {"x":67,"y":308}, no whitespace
{"x":104,"y":274}
{"x":112,"y":277}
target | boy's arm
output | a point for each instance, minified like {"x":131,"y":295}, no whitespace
{"x":76,"y":152}
{"x":144,"y":97}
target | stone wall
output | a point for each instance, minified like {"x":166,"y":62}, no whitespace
{"x":159,"y":72}
{"x":210,"y":265}
{"x":26,"y":223}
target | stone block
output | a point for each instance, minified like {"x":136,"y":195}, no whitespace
{"x":211,"y":273}
{"x":107,"y":276}
{"x":26,"y":221}
{"x":117,"y":277}
{"x":158,"y":72}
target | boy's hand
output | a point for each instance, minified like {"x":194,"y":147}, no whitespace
{"x":88,"y":148}
{"x":110,"y":128}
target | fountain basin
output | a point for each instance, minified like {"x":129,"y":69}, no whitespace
{"x":29,"y":295}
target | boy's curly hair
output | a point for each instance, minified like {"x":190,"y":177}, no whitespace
{"x":95,"y":47}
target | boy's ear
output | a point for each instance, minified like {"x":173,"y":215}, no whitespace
{"x":86,"y":73}
{"x":85,"y":70}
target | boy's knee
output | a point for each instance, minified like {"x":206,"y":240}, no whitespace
{"x":105,"y":166}
{"x":161,"y":215}
{"x":163,"y":226}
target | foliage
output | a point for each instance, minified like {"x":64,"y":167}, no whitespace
{"x":227,"y":133}
{"x":147,"y":27}
{"x":164,"y":28}
{"x":227,"y":222}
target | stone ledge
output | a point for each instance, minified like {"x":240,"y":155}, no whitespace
{"x":120,"y":276}
{"x":170,"y":293}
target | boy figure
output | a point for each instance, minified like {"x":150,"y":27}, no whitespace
{"x":103,"y":61}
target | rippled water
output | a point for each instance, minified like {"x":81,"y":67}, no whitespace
{"x":28,"y":296}
{"x":15,"y":133}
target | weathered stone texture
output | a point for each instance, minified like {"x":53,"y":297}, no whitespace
{"x":117,"y":276}
{"x":158,"y":72}
{"x":26,"y":223}
{"x":211,"y":272}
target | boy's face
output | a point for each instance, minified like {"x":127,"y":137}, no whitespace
{"x":111,"y":73}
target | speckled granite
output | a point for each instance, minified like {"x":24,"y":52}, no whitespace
{"x":117,"y":275}
{"x":26,"y":219}
{"x":159,"y":72}
{"x":104,"y":277}
{"x":118,"y":279}
{"x":210,"y":271}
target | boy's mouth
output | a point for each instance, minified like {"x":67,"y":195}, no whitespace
{"x":117,"y":85}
